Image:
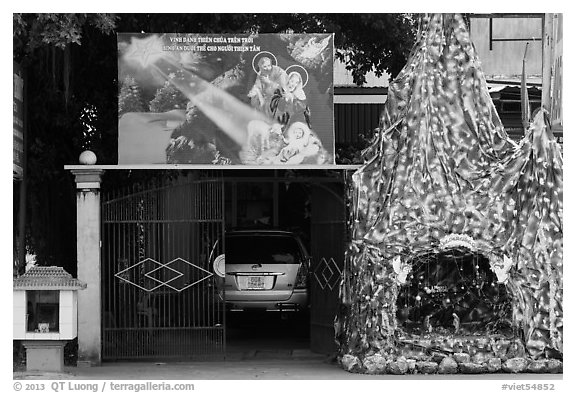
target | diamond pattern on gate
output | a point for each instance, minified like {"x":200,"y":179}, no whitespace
{"x":327,"y":273}
{"x":150,"y":275}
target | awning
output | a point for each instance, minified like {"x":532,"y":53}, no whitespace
{"x":497,"y":87}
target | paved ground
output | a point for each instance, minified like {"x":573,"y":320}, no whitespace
{"x":271,"y":369}
{"x":267,"y":350}
{"x":254,"y":365}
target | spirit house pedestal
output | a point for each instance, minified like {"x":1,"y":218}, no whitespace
{"x":45,"y":315}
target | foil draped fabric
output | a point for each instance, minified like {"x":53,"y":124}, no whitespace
{"x":443,"y":164}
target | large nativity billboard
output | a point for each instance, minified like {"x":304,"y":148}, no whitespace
{"x":262,"y":99}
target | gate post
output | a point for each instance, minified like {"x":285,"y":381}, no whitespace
{"x":88,"y":260}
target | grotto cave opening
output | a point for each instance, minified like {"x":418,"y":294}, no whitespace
{"x":453,"y":293}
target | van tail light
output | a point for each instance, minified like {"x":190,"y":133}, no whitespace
{"x":302,"y":276}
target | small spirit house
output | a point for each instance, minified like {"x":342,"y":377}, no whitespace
{"x":45,"y":314}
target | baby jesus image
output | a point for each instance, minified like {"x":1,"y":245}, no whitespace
{"x":269,"y":144}
{"x":296,"y":141}
{"x":299,"y":145}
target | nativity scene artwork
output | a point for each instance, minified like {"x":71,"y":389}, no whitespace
{"x":456,"y":251}
{"x":226,"y":99}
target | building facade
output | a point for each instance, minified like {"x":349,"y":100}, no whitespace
{"x":149,"y":232}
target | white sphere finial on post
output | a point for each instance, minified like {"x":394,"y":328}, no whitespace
{"x":87,"y":157}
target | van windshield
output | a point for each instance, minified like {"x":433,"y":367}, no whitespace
{"x":262,"y":249}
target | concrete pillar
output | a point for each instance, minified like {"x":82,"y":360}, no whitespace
{"x":89,"y":271}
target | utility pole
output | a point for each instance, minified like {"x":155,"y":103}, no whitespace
{"x":552,"y":69}
{"x":547,"y":55}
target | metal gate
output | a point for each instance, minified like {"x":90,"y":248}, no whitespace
{"x":161,"y":295}
{"x":328,"y":249}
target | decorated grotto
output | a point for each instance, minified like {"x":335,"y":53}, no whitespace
{"x":455,"y":258}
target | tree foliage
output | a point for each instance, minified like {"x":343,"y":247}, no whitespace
{"x":58,"y":30}
{"x":167,"y":98}
{"x":72,"y":91}
{"x":130,"y":97}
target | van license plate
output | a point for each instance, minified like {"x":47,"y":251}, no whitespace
{"x":255,"y":282}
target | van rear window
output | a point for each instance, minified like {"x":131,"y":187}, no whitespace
{"x":262,"y":249}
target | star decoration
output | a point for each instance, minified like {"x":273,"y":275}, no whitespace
{"x":145,"y":51}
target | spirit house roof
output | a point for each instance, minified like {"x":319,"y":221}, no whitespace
{"x":47,"y":278}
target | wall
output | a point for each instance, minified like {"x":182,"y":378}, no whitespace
{"x":504,"y":58}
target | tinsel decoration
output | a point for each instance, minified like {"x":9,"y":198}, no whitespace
{"x":442,"y":167}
